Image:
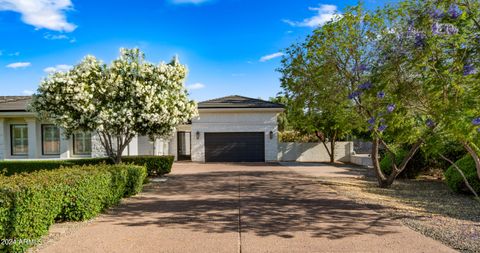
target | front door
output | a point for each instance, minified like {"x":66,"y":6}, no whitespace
{"x":184,"y":146}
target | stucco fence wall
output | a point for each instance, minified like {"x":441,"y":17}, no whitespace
{"x":316,"y":152}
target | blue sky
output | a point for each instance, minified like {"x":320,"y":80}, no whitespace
{"x":229,"y":46}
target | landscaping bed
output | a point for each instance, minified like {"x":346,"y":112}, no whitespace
{"x":425,"y":205}
{"x":31,"y":203}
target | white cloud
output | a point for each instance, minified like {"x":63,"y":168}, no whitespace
{"x":56,"y":37}
{"x":14,"y":54}
{"x":195,"y":86}
{"x":1,"y":52}
{"x":325,"y":13}
{"x":28,"y":92}
{"x":188,"y":1}
{"x":58,"y":68}
{"x":271,"y":56}
{"x":16,"y":65}
{"x":48,"y":14}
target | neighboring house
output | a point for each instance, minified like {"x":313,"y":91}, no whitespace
{"x":228,"y":129}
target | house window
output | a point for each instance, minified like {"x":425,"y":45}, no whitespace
{"x":50,"y":140}
{"x":82,"y":144}
{"x":19,"y":138}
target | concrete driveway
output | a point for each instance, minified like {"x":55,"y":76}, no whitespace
{"x":244,"y":208}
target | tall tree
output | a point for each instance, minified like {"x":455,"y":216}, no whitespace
{"x":437,"y":45}
{"x":316,"y":103}
{"x":129,"y":97}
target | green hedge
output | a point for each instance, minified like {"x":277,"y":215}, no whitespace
{"x":30,"y":203}
{"x":156,"y":165}
{"x":455,"y":180}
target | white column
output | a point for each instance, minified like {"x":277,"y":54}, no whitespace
{"x":32,"y":138}
{"x":64,"y":145}
{"x":2,"y":139}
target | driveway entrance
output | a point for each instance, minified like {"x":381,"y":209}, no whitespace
{"x":243,"y":208}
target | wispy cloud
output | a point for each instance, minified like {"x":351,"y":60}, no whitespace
{"x":14,"y":54}
{"x":325,"y":13}
{"x":48,"y":14}
{"x":17,"y":65}
{"x":189,"y":1}
{"x":49,"y":36}
{"x":238,"y":74}
{"x":270,"y":57}
{"x":28,"y":92}
{"x":195,"y":86}
{"x":58,"y":68}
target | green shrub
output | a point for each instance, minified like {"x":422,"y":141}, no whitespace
{"x":414,"y":167}
{"x":30,"y":203}
{"x":156,"y":165}
{"x":455,"y":180}
{"x":15,"y":167}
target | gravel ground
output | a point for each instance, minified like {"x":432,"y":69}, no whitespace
{"x":426,"y":206}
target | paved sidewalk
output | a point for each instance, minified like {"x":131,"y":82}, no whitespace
{"x":244,"y":208}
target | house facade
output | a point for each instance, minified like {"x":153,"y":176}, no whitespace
{"x":228,"y":129}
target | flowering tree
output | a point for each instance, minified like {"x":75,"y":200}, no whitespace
{"x":129,"y":97}
{"x":354,"y":43}
{"x":437,"y":43}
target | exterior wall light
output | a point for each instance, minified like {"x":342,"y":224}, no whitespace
{"x":197,"y":134}
{"x":271,"y":134}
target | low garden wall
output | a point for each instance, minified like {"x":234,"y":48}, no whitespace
{"x":313,"y":152}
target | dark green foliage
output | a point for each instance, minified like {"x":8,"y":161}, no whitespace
{"x":156,"y":165}
{"x":455,"y":180}
{"x":414,"y":168}
{"x":30,"y":203}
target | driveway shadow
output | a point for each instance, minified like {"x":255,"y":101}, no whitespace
{"x":265,"y":203}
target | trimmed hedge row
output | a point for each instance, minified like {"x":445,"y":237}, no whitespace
{"x":156,"y":165}
{"x":30,"y":203}
{"x":455,"y":180}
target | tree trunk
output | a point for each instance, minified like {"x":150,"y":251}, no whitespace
{"x":474,"y":155}
{"x":333,"y":141}
{"x":463,"y":176}
{"x":383,"y":181}
{"x":122,"y":142}
{"x":376,"y":164}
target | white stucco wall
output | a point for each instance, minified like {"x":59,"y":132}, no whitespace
{"x":234,"y":121}
{"x":313,"y":152}
{"x":2,"y":139}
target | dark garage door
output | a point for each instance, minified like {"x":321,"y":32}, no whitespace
{"x":234,"y":147}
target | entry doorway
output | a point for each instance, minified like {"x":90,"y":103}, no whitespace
{"x":184,"y":146}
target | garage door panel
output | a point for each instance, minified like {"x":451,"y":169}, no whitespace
{"x":235,"y":147}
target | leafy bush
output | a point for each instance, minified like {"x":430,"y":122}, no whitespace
{"x":294,"y":136}
{"x":156,"y":165}
{"x":455,"y":180}
{"x":414,"y":167}
{"x":30,"y":203}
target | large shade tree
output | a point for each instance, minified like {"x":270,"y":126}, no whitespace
{"x":345,"y":57}
{"x":118,"y":101}
{"x":316,"y":103}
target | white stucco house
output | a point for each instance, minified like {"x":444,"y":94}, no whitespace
{"x":228,"y":129}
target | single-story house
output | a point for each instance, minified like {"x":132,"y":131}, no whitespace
{"x":228,"y":129}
